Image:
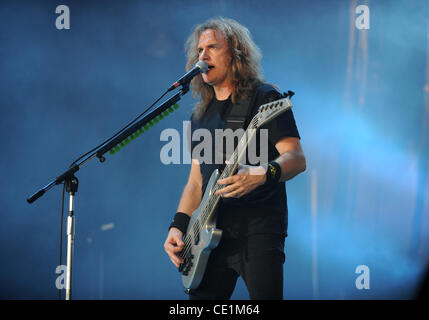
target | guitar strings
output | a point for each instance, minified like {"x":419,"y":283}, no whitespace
{"x":206,"y":214}
{"x":209,"y":204}
{"x":214,"y":198}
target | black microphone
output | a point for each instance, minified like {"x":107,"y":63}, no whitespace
{"x":201,"y":66}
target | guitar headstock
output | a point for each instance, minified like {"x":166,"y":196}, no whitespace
{"x":269,"y":111}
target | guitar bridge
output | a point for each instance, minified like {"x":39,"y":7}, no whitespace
{"x":186,"y":266}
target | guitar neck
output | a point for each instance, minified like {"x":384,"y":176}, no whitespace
{"x":238,"y":153}
{"x":229,"y":170}
{"x":266,"y":113}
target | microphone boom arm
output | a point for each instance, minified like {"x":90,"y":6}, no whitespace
{"x":114,"y":145}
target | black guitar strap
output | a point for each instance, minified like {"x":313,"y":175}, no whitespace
{"x":239,"y":115}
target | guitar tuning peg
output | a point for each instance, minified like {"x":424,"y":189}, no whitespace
{"x":288,"y":94}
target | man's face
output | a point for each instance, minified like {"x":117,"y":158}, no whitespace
{"x":213,"y":49}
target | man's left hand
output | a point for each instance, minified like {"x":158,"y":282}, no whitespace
{"x":245,"y":180}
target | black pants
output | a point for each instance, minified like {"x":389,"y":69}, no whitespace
{"x":258,"y":259}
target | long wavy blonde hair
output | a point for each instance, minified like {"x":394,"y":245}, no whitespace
{"x":246,"y":71}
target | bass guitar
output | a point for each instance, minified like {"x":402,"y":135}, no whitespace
{"x":202,"y":236}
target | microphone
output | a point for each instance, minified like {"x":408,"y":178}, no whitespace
{"x":201,"y":66}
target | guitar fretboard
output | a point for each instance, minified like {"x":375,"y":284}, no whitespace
{"x":266,"y":113}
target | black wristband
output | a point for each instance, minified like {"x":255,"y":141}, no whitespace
{"x":274,"y":172}
{"x":180,"y":221}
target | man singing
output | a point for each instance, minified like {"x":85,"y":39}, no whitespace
{"x":252,"y":212}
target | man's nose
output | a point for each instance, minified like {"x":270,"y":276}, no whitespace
{"x":204,"y":55}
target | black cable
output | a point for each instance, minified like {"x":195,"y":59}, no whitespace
{"x":120,"y":131}
{"x":61,"y":234}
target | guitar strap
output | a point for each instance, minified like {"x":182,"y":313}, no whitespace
{"x":239,"y":115}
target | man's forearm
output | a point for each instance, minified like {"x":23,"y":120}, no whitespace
{"x":292,"y":163}
{"x":190,"y":200}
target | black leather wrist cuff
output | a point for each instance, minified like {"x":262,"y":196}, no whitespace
{"x":274,"y":172}
{"x":180,"y":221}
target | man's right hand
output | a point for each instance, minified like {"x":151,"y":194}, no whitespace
{"x":173,"y":245}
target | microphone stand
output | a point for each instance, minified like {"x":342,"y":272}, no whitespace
{"x":71,"y":182}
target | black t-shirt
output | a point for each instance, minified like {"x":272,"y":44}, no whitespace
{"x":263,"y":210}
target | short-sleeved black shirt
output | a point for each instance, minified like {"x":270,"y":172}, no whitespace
{"x":263,"y":210}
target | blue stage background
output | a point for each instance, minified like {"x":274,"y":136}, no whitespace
{"x":361,"y":106}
